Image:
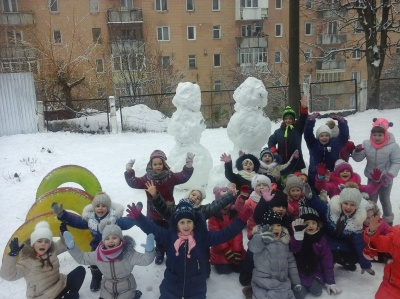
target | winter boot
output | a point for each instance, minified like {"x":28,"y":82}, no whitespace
{"x":159,"y":255}
{"x":138,"y":294}
{"x":96,"y":279}
{"x":247,"y":292}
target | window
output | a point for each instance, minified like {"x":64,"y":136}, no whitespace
{"x":217,"y":32}
{"x":278,"y":4}
{"x":126,"y":62}
{"x":216,"y":5}
{"x":252,"y":55}
{"x":14,"y":37}
{"x":161,"y":5}
{"x":190,"y":5}
{"x":127,"y":3}
{"x":308,"y":28}
{"x":246,"y":30}
{"x":57,"y":39}
{"x":217,"y":60}
{"x":94,"y":6}
{"x":217,"y":85}
{"x":357,"y":76}
{"x":398,"y":49}
{"x":101,"y":92}
{"x":307,"y":78}
{"x":307,"y":55}
{"x":162,"y":33}
{"x":278,"y":30}
{"x":333,"y":27}
{"x":330,"y":76}
{"x":192,"y":61}
{"x":278,"y":56}
{"x":165,"y":61}
{"x":308,"y":3}
{"x":10,"y":5}
{"x":53,"y":5}
{"x":191,"y":33}
{"x":249,"y":3}
{"x":357,"y":27}
{"x":278,"y":81}
{"x":356,"y":54}
{"x":96,"y":33}
{"x":99,"y":65}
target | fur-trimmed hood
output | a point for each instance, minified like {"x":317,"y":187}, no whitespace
{"x":251,"y":157}
{"x":117,"y":213}
{"x":355,"y":222}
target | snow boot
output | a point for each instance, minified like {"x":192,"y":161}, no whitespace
{"x":138,"y":294}
{"x":96,"y":279}
{"x":247,"y":292}
{"x":159,"y":256}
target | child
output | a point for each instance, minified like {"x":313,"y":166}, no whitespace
{"x":40,"y":267}
{"x":275,"y":271}
{"x":343,"y":221}
{"x":390,"y":286}
{"x":322,"y":147}
{"x":165,"y":180}
{"x":342,"y":174}
{"x":313,"y":255}
{"x":348,"y":148}
{"x":100,"y":210}
{"x":381,"y":151}
{"x":294,"y":190}
{"x":115,"y":256}
{"x":302,"y":176}
{"x":187,"y":244}
{"x":287,"y":139}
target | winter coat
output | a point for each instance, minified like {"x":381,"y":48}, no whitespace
{"x":324,"y":153}
{"x":250,"y":203}
{"x":118,"y":281}
{"x":185,"y":277}
{"x":323,"y":255}
{"x":91,"y":221}
{"x":350,"y":239}
{"x":42,"y":283}
{"x":387,"y":158}
{"x":383,"y":229}
{"x":286,"y":146}
{"x":207,"y":210}
{"x":275,"y":269}
{"x":390,"y":243}
{"x":164,"y":185}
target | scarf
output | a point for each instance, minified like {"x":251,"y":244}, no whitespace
{"x":287,"y":129}
{"x":382,"y":144}
{"x":247,"y":175}
{"x":109,"y":255}
{"x":306,"y":259}
{"x":182,"y":239}
{"x":158,"y":176}
{"x":268,"y":167}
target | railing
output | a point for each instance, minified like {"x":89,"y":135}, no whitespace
{"x":331,"y":39}
{"x":331,"y":65}
{"x":127,"y":46}
{"x":125,"y":16}
{"x":16,"y":52}
{"x":17,"y":18}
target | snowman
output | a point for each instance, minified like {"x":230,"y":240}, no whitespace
{"x":186,"y":125}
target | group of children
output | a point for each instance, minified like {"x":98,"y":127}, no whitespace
{"x":295,"y":232}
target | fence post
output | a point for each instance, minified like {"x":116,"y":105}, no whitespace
{"x":113,"y":115}
{"x":363,"y":96}
{"x":40,"y":113}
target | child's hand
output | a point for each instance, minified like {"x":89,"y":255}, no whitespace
{"x":376,"y":175}
{"x":299,"y":229}
{"x":134,"y":210}
{"x":307,"y":191}
{"x":57,"y":209}
{"x":14,"y":247}
{"x":266,"y":235}
{"x":321,"y":170}
{"x":359,"y":148}
{"x":69,"y":240}
{"x":149,"y":246}
{"x":229,"y":255}
{"x":338,"y":118}
{"x":304,"y":101}
{"x":267,"y":194}
{"x":374,"y":223}
{"x":237,"y":257}
{"x":129,"y":165}
{"x":387,"y":179}
{"x":151,"y":188}
{"x":189,"y":159}
{"x":314,"y":116}
{"x":332,"y":288}
{"x":233,"y":190}
{"x":225,"y":158}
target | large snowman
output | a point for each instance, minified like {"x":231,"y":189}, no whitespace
{"x":186,"y":125}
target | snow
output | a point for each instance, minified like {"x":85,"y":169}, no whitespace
{"x":32,"y":156}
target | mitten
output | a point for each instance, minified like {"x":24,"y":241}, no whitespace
{"x":370,"y":271}
{"x":225,"y":158}
{"x":189,"y":159}
{"x":321,"y":170}
{"x":134,"y":210}
{"x":387,"y":179}
{"x":308,"y":191}
{"x":245,"y":214}
{"x":359,"y":148}
{"x":376,"y":175}
{"x":267,"y":195}
{"x":323,"y":195}
{"x":299,"y":228}
{"x":129,"y":165}
{"x":69,"y":240}
{"x":333,"y":288}
{"x":245,"y":192}
{"x":314,"y":116}
{"x":63,"y":227}
{"x":338,"y":118}
{"x":266,"y":235}
{"x":237,"y":257}
{"x":229,"y":255}
{"x":297,"y":288}
{"x":149,"y":246}
{"x":14,"y":247}
{"x":57,"y":209}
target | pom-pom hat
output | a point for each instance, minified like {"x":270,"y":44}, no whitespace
{"x":184,"y":210}
{"x":289,"y":112}
{"x":42,"y":231}
{"x":103,"y":199}
{"x":220,"y":191}
{"x":323,"y":129}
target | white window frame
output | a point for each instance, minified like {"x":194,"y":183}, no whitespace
{"x":278,"y":4}
{"x":332,"y":27}
{"x":357,"y":27}
{"x":356,"y":54}
{"x":53,"y":4}
{"x":54,"y":37}
{"x":12,"y":5}
{"x":165,"y":60}
{"x":216,"y":31}
{"x":94,"y":6}
{"x":101,"y":92}
{"x":100,"y":65}
{"x":217,"y":85}
{"x":309,"y":3}
{"x":161,"y":31}
{"x":14,"y":39}
{"x":249,"y":3}
{"x":191,"y":59}
{"x":308,"y":31}
{"x":216,"y":3}
{"x":247,"y":30}
{"x":278,"y":56}
{"x":253,"y":55}
{"x":191,"y":32}
{"x":356,"y":75}
{"x":161,"y":5}
{"x":280,"y":26}
{"x":307,"y":55}
{"x":190,"y":5}
{"x":217,"y":62}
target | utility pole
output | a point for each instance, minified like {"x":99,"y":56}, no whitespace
{"x":294,"y":51}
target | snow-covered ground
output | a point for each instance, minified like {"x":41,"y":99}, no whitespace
{"x":32,"y":156}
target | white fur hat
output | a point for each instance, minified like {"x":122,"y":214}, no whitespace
{"x":323,"y":129}
{"x":42,"y":231}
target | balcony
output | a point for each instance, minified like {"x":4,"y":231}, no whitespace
{"x":125,"y":16}
{"x":127,"y":46}
{"x":326,"y":11}
{"x":251,"y":13}
{"x":331,"y":39}
{"x":260,"y":41}
{"x":16,"y":52}
{"x":331,"y":65}
{"x":16,"y":18}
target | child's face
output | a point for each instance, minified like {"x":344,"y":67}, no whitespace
{"x":280,"y":210}
{"x":303,"y":178}
{"x":324,"y":138}
{"x":295,"y":193}
{"x":185,"y":226}
{"x":195,"y":197}
{"x":100,"y":210}
{"x":378,"y":137}
{"x":112,"y":241}
{"x":370,"y":214}
{"x":41,"y":246}
{"x":348,"y":208}
{"x":312,"y":227}
{"x":157,"y":165}
{"x":288,"y":120}
{"x":267,"y":159}
{"x":277,"y":231}
{"x":345,"y":175}
{"x":261,"y":187}
{"x":248,"y":166}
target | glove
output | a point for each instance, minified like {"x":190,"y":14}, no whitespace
{"x":307,"y":191}
{"x":314,"y":116}
{"x":245,"y":214}
{"x":129,"y":165}
{"x":297,"y":288}
{"x":14,"y":247}
{"x":359,"y":148}
{"x":149,"y":246}
{"x":57,"y":209}
{"x":225,"y":158}
{"x":237,"y":257}
{"x":189,"y":159}
{"x":266,"y":235}
{"x":370,"y":271}
{"x":333,"y":288}
{"x":299,"y":228}
{"x":296,"y":154}
{"x":229,"y":255}
{"x":63,"y":227}
{"x":376,"y":175}
{"x":338,"y":118}
{"x":134,"y":210}
{"x":321,"y":170}
{"x":267,"y":194}
{"x":245,"y":192}
{"x":69,"y":240}
{"x":387,"y":179}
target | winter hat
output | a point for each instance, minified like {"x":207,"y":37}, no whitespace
{"x":260,"y":179}
{"x":101,"y":198}
{"x":291,"y":182}
{"x":380,"y":125}
{"x":279,"y":200}
{"x":111,"y":229}
{"x":200,"y":189}
{"x":158,"y":154}
{"x":341,"y":165}
{"x":289,"y":112}
{"x":220,"y":191}
{"x":350,"y":195}
{"x":308,"y":213}
{"x":334,"y":128}
{"x":270,"y":218}
{"x":242,"y":158}
{"x":42,"y":231}
{"x":184,"y":209}
{"x":323,"y":129}
{"x":266,"y":151}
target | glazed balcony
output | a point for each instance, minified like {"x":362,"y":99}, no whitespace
{"x":17,"y":18}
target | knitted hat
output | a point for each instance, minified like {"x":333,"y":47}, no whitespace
{"x":42,"y":231}
{"x":308,"y":213}
{"x":382,"y":123}
{"x":279,"y":200}
{"x":341,"y":165}
{"x":291,"y":182}
{"x":323,"y":129}
{"x":102,"y":198}
{"x":270,"y":217}
{"x":289,"y":112}
{"x":351,"y":195}
{"x":111,"y":229}
{"x":266,"y":151}
{"x":157,"y":154}
{"x":260,"y":179}
{"x":200,"y":189}
{"x":219,"y":191}
{"x":184,"y":209}
{"x":334,"y":128}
